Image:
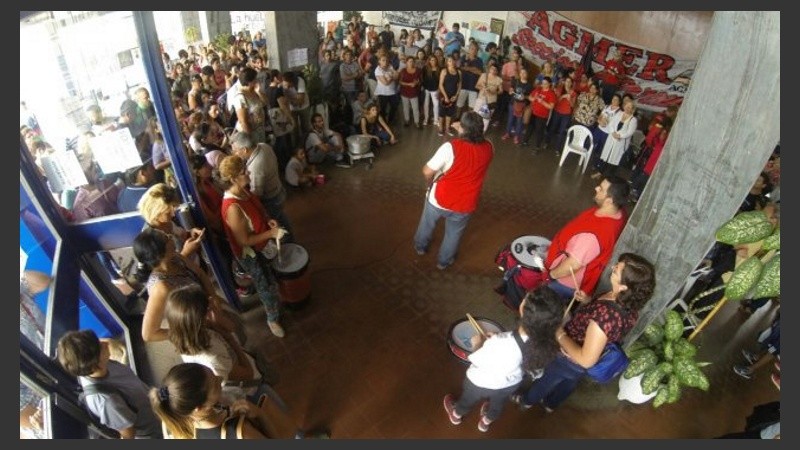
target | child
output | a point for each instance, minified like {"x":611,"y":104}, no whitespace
{"x":497,"y":364}
{"x":298,"y":172}
{"x":128,"y":410}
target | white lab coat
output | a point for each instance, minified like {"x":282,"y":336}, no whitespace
{"x":614,"y":148}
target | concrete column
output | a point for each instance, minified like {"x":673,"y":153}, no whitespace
{"x":214,"y":23}
{"x":288,"y":30}
{"x":727,"y":127}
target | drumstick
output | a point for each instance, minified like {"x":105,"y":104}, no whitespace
{"x":475,"y":325}
{"x":574,"y":280}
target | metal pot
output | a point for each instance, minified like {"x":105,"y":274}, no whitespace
{"x":358,"y":144}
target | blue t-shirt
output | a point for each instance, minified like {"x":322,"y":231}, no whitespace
{"x":469,"y":79}
{"x":453,"y":46}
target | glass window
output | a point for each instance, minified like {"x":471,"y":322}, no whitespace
{"x":36,"y":250}
{"x":31,"y":412}
{"x":85,"y":118}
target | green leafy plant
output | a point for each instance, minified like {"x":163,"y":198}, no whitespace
{"x":757,"y":271}
{"x":191,"y":34}
{"x":666,"y":361}
{"x":313,"y":84}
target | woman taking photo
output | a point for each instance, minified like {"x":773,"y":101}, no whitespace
{"x":595,"y":323}
{"x":248,"y":228}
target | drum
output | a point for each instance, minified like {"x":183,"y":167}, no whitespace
{"x":291,"y":271}
{"x":460,"y":333}
{"x":530,"y":251}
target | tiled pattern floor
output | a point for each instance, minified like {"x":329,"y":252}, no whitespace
{"x":367,"y":356}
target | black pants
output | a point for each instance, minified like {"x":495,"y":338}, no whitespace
{"x":389,"y":105}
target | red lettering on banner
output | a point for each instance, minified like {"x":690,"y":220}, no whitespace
{"x":656,"y":67}
{"x":629,"y":55}
{"x":601,"y":50}
{"x":660,"y":99}
{"x":565,"y":34}
{"x":586,"y":37}
{"x":540,"y":20}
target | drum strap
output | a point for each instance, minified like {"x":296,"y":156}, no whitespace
{"x":518,"y":338}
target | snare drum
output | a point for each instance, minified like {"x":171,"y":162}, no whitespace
{"x":530,"y":251}
{"x":460,"y":333}
{"x":291,"y":272}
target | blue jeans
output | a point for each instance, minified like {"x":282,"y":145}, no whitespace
{"x":560,"y":379}
{"x":472,"y":394}
{"x":558,"y":129}
{"x":515,"y":124}
{"x":266,"y":285}
{"x":564,"y":292}
{"x":454,"y":226}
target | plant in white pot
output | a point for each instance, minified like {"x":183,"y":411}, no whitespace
{"x":662,"y":361}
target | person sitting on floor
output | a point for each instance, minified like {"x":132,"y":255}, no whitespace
{"x":325,"y":145}
{"x":298,"y":172}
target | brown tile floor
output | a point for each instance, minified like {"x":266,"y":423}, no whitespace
{"x":367,"y":356}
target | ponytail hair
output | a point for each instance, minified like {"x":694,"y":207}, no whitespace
{"x":185,"y":388}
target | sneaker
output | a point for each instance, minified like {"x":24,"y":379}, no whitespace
{"x":439,"y":131}
{"x":776,"y":380}
{"x":443,"y":266}
{"x":483,"y":424}
{"x":450,"y":407}
{"x":276,"y":329}
{"x":517,"y":398}
{"x":743,"y":372}
{"x":516,"y":140}
{"x":546,"y":408}
{"x":750,"y":357}
{"x":420,"y":252}
{"x":505,"y":137}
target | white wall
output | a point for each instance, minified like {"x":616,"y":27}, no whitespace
{"x":450,"y":17}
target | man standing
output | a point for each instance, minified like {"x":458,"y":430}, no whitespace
{"x":455,"y":175}
{"x":453,"y":40}
{"x":471,"y":70}
{"x":584,"y":246}
{"x":387,"y":37}
{"x":265,"y":181}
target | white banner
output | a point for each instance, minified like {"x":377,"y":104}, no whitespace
{"x":656,"y":80}
{"x":413,"y":19}
{"x":115,"y":151}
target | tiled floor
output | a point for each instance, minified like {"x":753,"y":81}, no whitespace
{"x":367,"y":356}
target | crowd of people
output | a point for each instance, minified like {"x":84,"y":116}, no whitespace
{"x":249,"y":132}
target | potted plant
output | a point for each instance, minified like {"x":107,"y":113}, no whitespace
{"x":757,"y":272}
{"x":662,"y":361}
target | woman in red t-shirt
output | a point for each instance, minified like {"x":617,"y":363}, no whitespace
{"x":410,"y":83}
{"x":543,"y":99}
{"x":562,"y":113}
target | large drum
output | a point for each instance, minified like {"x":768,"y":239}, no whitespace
{"x":291,"y":271}
{"x":460,"y":333}
{"x":530,"y":251}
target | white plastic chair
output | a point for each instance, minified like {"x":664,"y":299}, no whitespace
{"x":681,"y":303}
{"x":576,"y":143}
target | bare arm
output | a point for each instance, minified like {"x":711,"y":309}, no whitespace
{"x":127,"y":433}
{"x":241,"y":369}
{"x":593,"y":345}
{"x":238,"y":223}
{"x":388,"y":130}
{"x":429,"y":174}
{"x":154,"y":314}
{"x":562,"y":270}
{"x":241,"y":114}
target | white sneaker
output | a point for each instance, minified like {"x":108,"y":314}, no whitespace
{"x":276,"y":329}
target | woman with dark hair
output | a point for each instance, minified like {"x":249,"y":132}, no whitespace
{"x":595,"y":323}
{"x":498,"y":362}
{"x":164,"y":270}
{"x":455,"y":175}
{"x":449,"y":89}
{"x":189,"y":405}
{"x":249,"y":104}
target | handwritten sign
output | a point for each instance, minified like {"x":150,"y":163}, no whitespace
{"x":115,"y":151}
{"x":63,"y":171}
{"x":297,"y":57}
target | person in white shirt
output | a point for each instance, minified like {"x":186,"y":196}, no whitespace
{"x":498,"y":365}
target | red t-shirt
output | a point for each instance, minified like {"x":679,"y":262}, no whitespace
{"x":538,"y":109}
{"x":563,"y":105}
{"x":613,"y":72}
{"x":407,"y":77}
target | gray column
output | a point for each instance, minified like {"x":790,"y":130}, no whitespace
{"x":727,"y":127}
{"x":214,"y":23}
{"x":288,"y":30}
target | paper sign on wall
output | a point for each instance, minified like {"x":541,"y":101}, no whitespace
{"x":63,"y":171}
{"x":115,"y":151}
{"x":297,"y":57}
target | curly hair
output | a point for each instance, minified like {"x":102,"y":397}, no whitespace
{"x":542,"y":313}
{"x":639,"y":275}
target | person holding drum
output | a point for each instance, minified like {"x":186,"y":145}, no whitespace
{"x":596,"y":322}
{"x":499,"y":362}
{"x":248,"y":227}
{"x":582,"y":248}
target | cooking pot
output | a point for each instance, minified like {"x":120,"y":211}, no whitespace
{"x":358,"y":144}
